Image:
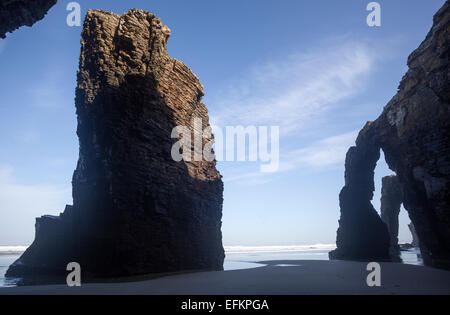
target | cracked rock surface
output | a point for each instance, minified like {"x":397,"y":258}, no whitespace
{"x":135,"y":210}
{"x":414,"y":133}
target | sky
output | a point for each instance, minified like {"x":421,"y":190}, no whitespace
{"x":313,"y":68}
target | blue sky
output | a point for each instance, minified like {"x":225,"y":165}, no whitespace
{"x":314,"y":68}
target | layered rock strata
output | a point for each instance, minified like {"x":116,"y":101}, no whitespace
{"x":414,"y":133}
{"x":136,"y":210}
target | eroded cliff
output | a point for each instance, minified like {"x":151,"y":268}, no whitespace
{"x":135,"y":210}
{"x":414,"y":133}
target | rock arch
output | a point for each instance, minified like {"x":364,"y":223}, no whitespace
{"x":413,"y":132}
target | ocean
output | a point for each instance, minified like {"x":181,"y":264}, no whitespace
{"x":237,"y":257}
{"x":8,"y":255}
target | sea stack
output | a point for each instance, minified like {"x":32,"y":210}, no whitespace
{"x":135,"y":209}
{"x":413,"y":132}
{"x":391,"y":201}
{"x":17,"y":13}
{"x":415,"y":239}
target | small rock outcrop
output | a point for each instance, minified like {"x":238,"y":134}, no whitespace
{"x":135,"y":210}
{"x":17,"y":13}
{"x":414,"y":133}
{"x":391,"y":201}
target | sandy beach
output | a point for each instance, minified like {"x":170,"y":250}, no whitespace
{"x":276,"y":277}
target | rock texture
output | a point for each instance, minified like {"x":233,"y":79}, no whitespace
{"x":361,"y":234}
{"x":415,"y":238}
{"x":17,"y":13}
{"x":414,"y":133}
{"x":135,"y":209}
{"x":391,"y":200}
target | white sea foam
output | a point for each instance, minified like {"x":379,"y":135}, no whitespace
{"x":10,"y":250}
{"x":4,"y":250}
{"x":277,"y":249}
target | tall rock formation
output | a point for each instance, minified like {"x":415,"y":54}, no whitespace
{"x":391,"y":201}
{"x":361,"y":234}
{"x":135,"y":210}
{"x":415,"y":239}
{"x":414,"y":133}
{"x":17,"y":13}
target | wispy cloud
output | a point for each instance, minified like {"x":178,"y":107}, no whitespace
{"x":292,"y":91}
{"x":320,"y":155}
{"x":297,"y":93}
{"x":323,"y":153}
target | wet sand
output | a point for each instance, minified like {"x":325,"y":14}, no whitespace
{"x":276,"y":277}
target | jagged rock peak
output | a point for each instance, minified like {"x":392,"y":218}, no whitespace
{"x":136,"y":210}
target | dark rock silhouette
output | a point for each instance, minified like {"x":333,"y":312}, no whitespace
{"x":391,"y":200}
{"x":415,"y":238}
{"x":17,"y":13}
{"x":414,"y":133}
{"x":135,"y":210}
{"x":361,"y":234}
